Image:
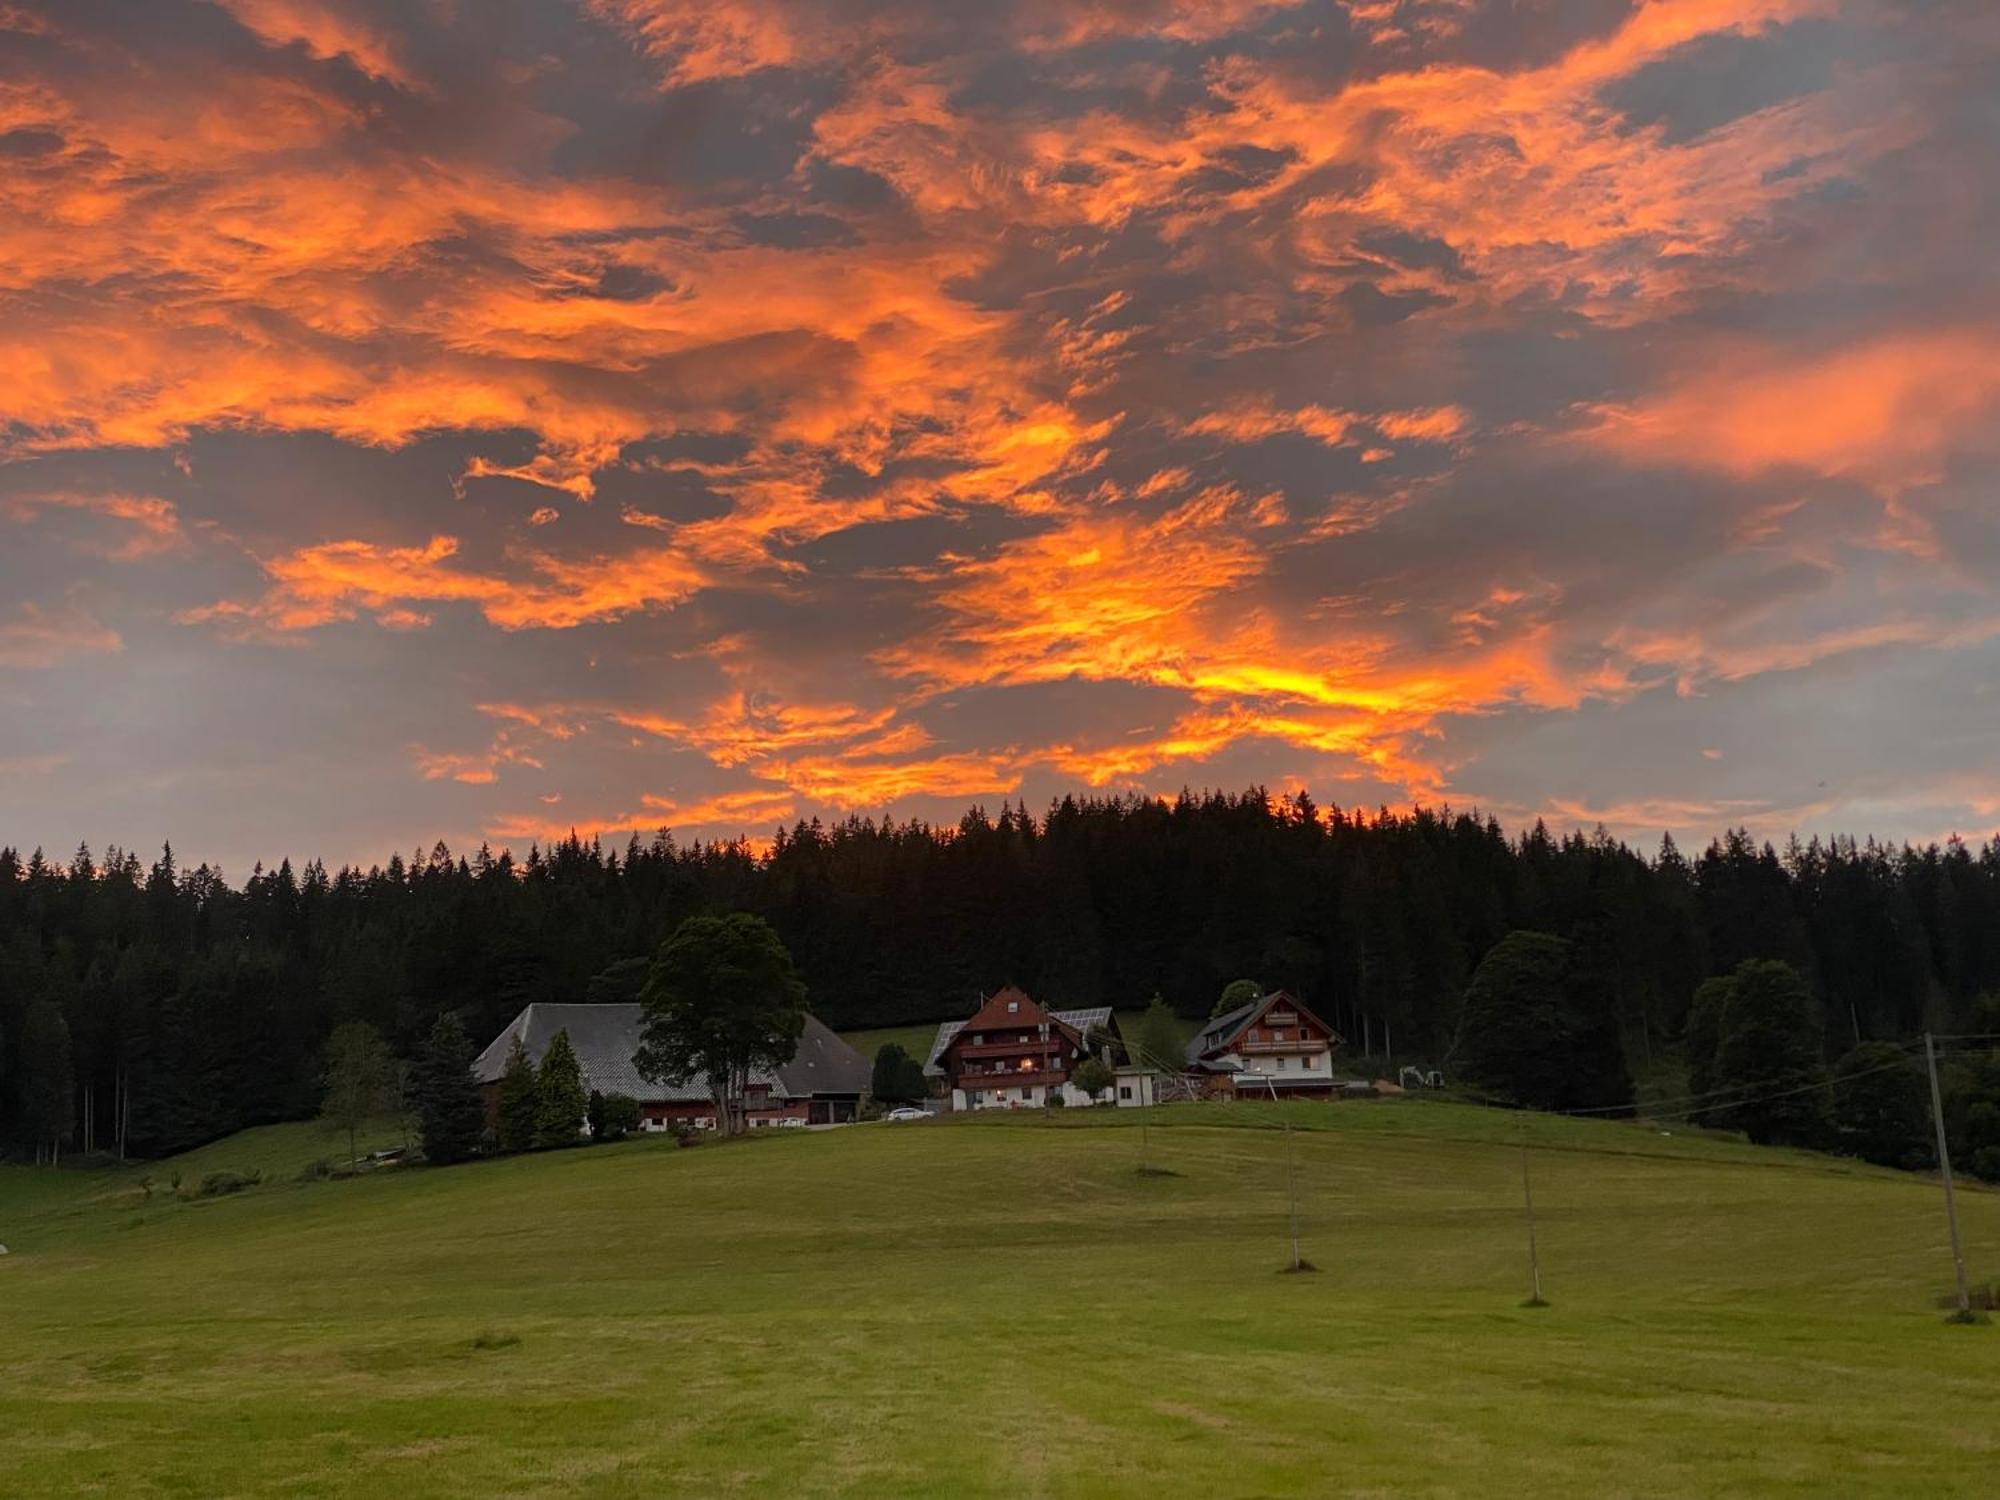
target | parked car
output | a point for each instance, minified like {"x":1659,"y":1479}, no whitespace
{"x":907,"y":1112}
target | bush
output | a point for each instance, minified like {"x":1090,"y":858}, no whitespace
{"x":221,"y":1184}
{"x":898,"y":1078}
{"x":316,"y":1171}
{"x":1056,"y":1100}
{"x":617,"y":1117}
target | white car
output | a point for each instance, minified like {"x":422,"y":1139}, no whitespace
{"x":907,"y":1112}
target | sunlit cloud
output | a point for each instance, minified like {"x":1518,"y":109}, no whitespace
{"x":733,"y":413}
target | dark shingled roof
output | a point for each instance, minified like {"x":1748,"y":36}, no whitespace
{"x":1221,"y":1031}
{"x":1097,"y":1018}
{"x":605,"y":1037}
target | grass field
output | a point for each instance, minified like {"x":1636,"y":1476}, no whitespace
{"x":1004,"y":1306}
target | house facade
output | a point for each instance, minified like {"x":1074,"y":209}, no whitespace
{"x":822,"y":1085}
{"x":1016,"y":1054}
{"x":1272,"y":1047}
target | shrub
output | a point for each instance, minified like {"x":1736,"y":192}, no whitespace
{"x":1094,"y":1076}
{"x":1056,"y":1100}
{"x":898,"y":1078}
{"x":316,"y":1171}
{"x":221,"y":1184}
{"x":618,"y":1116}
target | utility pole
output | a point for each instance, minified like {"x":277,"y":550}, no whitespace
{"x":1535,"y":1298}
{"x":1292,"y":1186}
{"x":1964,"y":1313}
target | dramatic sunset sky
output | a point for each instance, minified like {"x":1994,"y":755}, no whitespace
{"x":481,"y":418}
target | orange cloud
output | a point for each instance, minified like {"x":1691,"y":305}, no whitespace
{"x":155,"y":523}
{"x":33,"y":636}
{"x":336,"y":581}
{"x":1887,"y":410}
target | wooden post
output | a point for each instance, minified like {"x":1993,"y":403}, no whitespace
{"x":1535,"y":1298}
{"x":1964,"y":1313}
{"x":1292,"y":1187}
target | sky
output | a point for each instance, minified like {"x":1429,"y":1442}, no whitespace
{"x":482,"y":419}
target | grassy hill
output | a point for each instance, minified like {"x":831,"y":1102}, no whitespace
{"x":1003,"y":1306}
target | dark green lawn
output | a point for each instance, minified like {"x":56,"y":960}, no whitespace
{"x":1003,"y":1306}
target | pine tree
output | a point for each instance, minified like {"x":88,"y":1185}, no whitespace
{"x":444,"y":1094}
{"x":560,"y":1102}
{"x":47,"y":1089}
{"x":518,"y":1099}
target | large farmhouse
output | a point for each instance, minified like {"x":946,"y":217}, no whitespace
{"x":821,"y":1085}
{"x":1014,"y":1054}
{"x":1272,"y":1046}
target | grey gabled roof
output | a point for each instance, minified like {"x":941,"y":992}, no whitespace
{"x":1221,"y":1029}
{"x":1096,"y":1018}
{"x":605,"y":1037}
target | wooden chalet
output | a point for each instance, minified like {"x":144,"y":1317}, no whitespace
{"x":1269,"y":1048}
{"x":1015,"y":1054}
{"x":822,"y":1085}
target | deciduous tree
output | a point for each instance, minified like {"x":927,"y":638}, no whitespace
{"x":360,"y":1080}
{"x":723,"y":1002}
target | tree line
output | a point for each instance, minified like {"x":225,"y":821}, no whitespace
{"x":148,"y":1007}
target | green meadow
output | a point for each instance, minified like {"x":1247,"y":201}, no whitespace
{"x":1002,"y":1306}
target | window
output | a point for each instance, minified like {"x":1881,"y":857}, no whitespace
{"x":1124,"y":1091}
{"x":1277,"y":1036}
{"x":1012,"y":1006}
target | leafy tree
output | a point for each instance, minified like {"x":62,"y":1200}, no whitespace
{"x":560,"y":1102}
{"x":1156,"y":1039}
{"x":444,"y":1095}
{"x":898,"y":1077}
{"x":723,"y":1002}
{"x":1533,"y":1032}
{"x":519,"y":1098}
{"x":1094,"y":1076}
{"x":594,"y":1115}
{"x":1881,"y":1106}
{"x":1768,"y":1056}
{"x":360,"y":1080}
{"x":619,"y":983}
{"x":1703,"y":1032}
{"x":1236,"y":992}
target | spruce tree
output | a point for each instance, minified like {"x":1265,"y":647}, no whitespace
{"x":560,"y":1101}
{"x":444,"y":1094}
{"x":518,"y":1098}
{"x":47,"y":1089}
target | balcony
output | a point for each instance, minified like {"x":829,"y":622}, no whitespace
{"x":1032,"y":1047}
{"x":1299,"y":1049}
